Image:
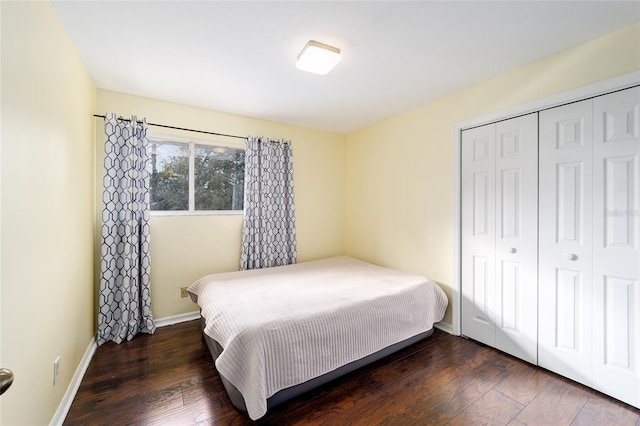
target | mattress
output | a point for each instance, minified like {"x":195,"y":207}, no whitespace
{"x":282,"y":327}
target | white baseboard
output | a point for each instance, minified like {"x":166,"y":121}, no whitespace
{"x":176,"y":319}
{"x":443,"y":326}
{"x":72,"y":389}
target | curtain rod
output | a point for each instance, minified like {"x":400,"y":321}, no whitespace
{"x":177,"y":128}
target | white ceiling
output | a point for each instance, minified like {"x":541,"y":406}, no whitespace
{"x":239,"y":56}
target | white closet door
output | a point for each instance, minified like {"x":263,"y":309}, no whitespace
{"x":616,"y":266}
{"x":478,"y":234}
{"x":499,"y":235}
{"x":516,"y":267}
{"x":565,"y":243}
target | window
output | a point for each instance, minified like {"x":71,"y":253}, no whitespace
{"x":190,"y":177}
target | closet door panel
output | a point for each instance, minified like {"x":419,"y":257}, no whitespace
{"x":565,"y":260}
{"x":478,"y":234}
{"x":616,"y":349}
{"x":516,"y":236}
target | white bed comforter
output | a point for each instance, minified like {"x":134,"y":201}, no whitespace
{"x":282,"y":326}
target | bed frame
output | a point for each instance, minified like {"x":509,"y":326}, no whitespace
{"x":289,"y":393}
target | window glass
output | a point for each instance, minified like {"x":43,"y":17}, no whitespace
{"x":218,"y":178}
{"x":169,"y":175}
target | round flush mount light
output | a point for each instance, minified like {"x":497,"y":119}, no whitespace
{"x":318,"y":58}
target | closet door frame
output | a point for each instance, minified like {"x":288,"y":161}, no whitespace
{"x":597,"y":89}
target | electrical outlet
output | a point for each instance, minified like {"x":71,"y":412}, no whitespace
{"x":183,"y":292}
{"x":56,"y":370}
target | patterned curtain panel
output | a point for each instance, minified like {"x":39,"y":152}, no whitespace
{"x":269,"y":230}
{"x":124,"y":301}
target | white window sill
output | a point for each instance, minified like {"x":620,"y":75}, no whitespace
{"x":197,"y":213}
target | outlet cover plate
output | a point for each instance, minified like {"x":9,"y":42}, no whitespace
{"x":56,"y":370}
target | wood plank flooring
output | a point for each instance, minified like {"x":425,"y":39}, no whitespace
{"x":169,"y":379}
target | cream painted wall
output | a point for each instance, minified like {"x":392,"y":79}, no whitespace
{"x":47,"y":210}
{"x":184,"y":248}
{"x":399,"y":173}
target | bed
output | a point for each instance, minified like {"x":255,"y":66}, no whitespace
{"x":278,"y":332}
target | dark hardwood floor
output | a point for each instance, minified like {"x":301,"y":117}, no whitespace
{"x":169,"y":379}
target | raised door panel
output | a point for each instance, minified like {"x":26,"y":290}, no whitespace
{"x":616,"y":245}
{"x":478,"y":234}
{"x":516,"y":236}
{"x":565,"y":262}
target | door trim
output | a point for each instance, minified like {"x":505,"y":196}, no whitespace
{"x":600,"y":88}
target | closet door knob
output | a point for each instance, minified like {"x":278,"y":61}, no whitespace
{"x":513,"y":250}
{"x":571,"y":256}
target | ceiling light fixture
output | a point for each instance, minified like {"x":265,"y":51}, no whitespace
{"x":318,"y":58}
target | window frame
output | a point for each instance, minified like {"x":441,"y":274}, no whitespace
{"x":192,"y":188}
